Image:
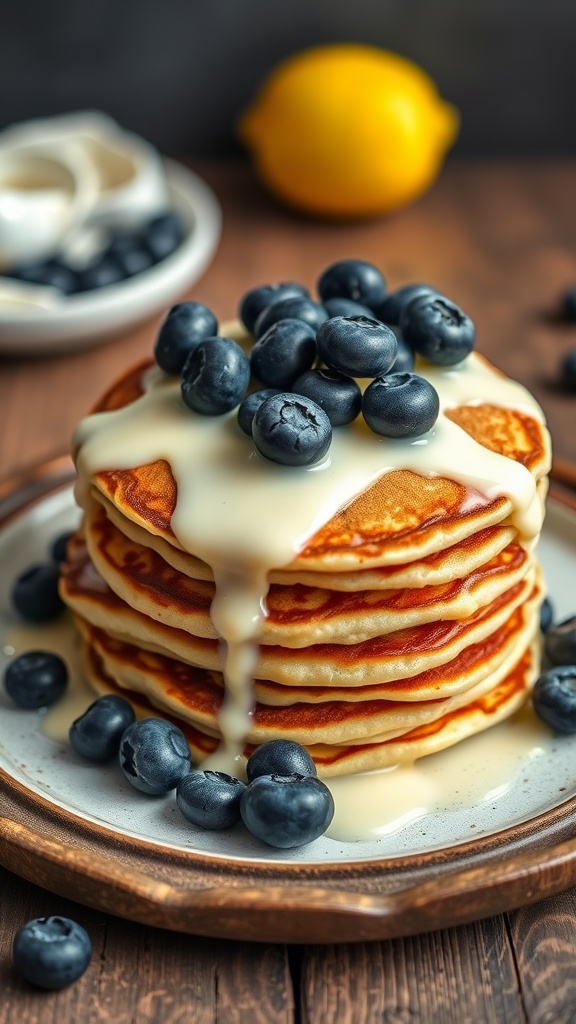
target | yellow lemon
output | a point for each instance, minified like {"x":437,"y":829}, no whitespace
{"x":348,"y":130}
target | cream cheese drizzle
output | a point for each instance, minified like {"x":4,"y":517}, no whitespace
{"x":245,"y":515}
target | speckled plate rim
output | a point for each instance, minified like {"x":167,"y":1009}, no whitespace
{"x":266,"y":900}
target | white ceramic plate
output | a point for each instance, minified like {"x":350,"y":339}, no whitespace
{"x":83,"y":320}
{"x":532,"y":782}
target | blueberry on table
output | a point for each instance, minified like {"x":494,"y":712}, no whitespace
{"x":163,"y":234}
{"x":249,"y":405}
{"x":339,"y":396}
{"x":154,"y":755}
{"x":257,"y":299}
{"x":210,"y":799}
{"x":287,"y":810}
{"x":283,"y":352}
{"x":51,"y":952}
{"x":295,"y":307}
{"x":279,"y":757}
{"x":346,"y":307}
{"x":438,"y":330}
{"x":391,"y":309}
{"x":400,"y":405}
{"x":546,"y":614}
{"x":185,"y":326}
{"x":554,"y":698}
{"x":292,"y":430}
{"x":96,"y":734}
{"x":59,"y":545}
{"x":215,"y":376}
{"x":35,"y":593}
{"x":560,"y":642}
{"x":353,"y":279}
{"x":568,"y":370}
{"x":357,"y":346}
{"x":36,"y":679}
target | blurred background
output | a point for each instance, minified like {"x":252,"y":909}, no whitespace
{"x":180,"y":71}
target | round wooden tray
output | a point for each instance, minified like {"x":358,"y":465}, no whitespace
{"x":265,"y":901}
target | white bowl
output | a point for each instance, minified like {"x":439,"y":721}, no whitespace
{"x":79,"y":321}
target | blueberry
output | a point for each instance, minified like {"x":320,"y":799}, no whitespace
{"x":283,"y":352}
{"x":163,"y":234}
{"x":400,"y":405}
{"x":51,"y":952}
{"x":187,"y":324}
{"x":279,"y":757}
{"x":294,"y":307}
{"x":103,"y":272}
{"x":97,"y":733}
{"x":215,"y":376}
{"x":568,"y":370}
{"x":53,"y":273}
{"x":134,"y":259}
{"x":154,"y":755}
{"x":58,"y":548}
{"x":554,"y":698}
{"x":568,"y":304}
{"x":287,"y":810}
{"x":353,"y":279}
{"x":250,"y":404}
{"x":292,"y":430}
{"x":210,"y":799}
{"x":357,"y":346}
{"x":546,"y":615}
{"x":257,"y":299}
{"x":438,"y":329}
{"x":404,"y":362}
{"x":339,"y":396}
{"x":346,"y":307}
{"x":35,"y":593}
{"x":36,"y":679}
{"x":390,"y":311}
{"x":560,"y":642}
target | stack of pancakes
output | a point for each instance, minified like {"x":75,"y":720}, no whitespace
{"x":407,"y":622}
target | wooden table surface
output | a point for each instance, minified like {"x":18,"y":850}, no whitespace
{"x":500,"y":239}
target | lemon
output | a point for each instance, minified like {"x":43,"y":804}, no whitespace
{"x":348,"y":130}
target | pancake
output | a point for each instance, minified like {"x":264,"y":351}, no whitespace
{"x":386,"y":600}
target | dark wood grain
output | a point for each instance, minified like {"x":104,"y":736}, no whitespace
{"x":501,"y":239}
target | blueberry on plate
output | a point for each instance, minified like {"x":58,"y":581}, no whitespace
{"x":546,"y":615}
{"x":51,"y":952}
{"x":560,"y":642}
{"x":132,"y":259}
{"x":287,"y":810}
{"x":102,"y":273}
{"x":249,"y":405}
{"x":391,"y":309}
{"x":186,"y":325}
{"x":554,"y":698}
{"x":292,"y":430}
{"x":58,"y":547}
{"x":357,"y":346}
{"x":257,"y":299}
{"x":404,"y":362}
{"x":283,"y":352}
{"x":210,"y":799}
{"x":400,"y":405}
{"x":438,"y":330}
{"x":163,"y":234}
{"x":339,"y":396}
{"x":279,"y":757}
{"x":96,"y":734}
{"x":52,"y":273}
{"x":36,"y":679}
{"x":346,"y":307}
{"x":353,"y":279}
{"x":35,"y":593}
{"x":295,"y":307}
{"x":215,"y":376}
{"x":154,"y":755}
{"x":568,"y":370}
